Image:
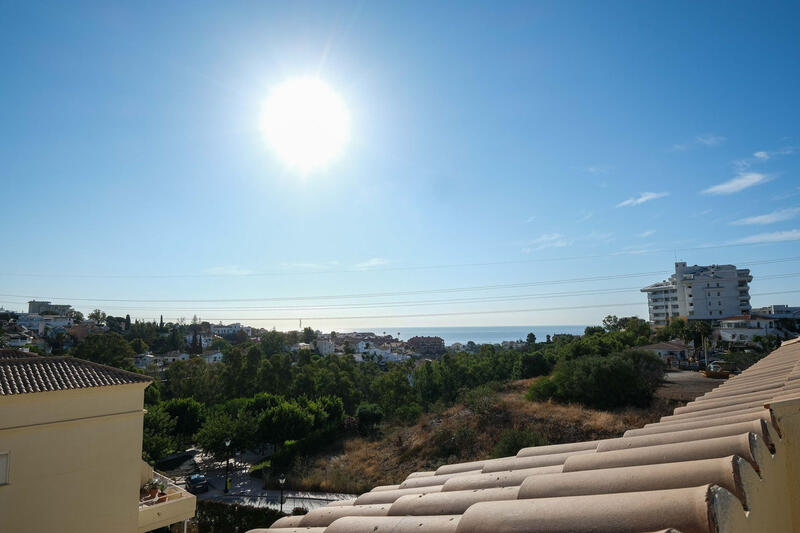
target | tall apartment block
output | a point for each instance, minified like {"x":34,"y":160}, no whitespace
{"x":700,"y":292}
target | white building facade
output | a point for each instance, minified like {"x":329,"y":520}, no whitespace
{"x":743,"y":328}
{"x":699,"y":292}
{"x":230,"y":329}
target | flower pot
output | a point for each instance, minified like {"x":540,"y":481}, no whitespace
{"x":162,"y":497}
{"x":152,"y":492}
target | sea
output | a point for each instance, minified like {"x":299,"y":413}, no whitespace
{"x":478,"y":335}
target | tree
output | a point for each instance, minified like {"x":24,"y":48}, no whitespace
{"x":127,"y":322}
{"x":158,"y":438}
{"x":98,"y":316}
{"x":197,"y":345}
{"x":76,"y":316}
{"x":309,"y":335}
{"x":531,"y":340}
{"x":106,"y":348}
{"x":212,"y":435}
{"x":611,"y":323}
{"x":188,"y":415}
{"x":139,"y":346}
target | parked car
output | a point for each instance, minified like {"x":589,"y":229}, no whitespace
{"x":197,"y":483}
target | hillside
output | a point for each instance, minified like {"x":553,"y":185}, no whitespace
{"x":467,"y":431}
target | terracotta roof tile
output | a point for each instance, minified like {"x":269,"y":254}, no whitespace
{"x":42,"y":374}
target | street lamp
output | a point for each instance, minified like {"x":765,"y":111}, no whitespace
{"x":227,"y":464}
{"x":282,"y":480}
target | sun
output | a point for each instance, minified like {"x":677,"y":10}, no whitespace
{"x":305,"y":123}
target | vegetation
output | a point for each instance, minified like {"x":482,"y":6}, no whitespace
{"x":263,"y":397}
{"x":220,"y":517}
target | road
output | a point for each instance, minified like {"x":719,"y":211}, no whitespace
{"x":686,"y":385}
{"x":247,"y":490}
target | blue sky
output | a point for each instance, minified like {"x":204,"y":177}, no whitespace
{"x":504,"y":145}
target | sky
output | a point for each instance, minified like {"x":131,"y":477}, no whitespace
{"x":530,"y":163}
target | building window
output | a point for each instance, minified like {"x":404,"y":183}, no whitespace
{"x":4,"y":468}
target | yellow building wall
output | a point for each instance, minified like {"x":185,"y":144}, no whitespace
{"x":74,"y":460}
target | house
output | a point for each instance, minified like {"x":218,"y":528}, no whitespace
{"x":144,"y":360}
{"x":671,"y":353}
{"x":171,"y":357}
{"x":300,"y":346}
{"x":17,"y":340}
{"x":212,"y":357}
{"x":71,"y":450}
{"x":324,"y":346}
{"x":231,"y":329}
{"x":40,"y":323}
{"x":205,"y":339}
{"x":742,"y":328}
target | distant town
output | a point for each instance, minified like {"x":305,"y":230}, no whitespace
{"x":718,"y":295}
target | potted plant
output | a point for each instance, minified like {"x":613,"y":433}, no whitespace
{"x":161,"y":487}
{"x":151,"y":488}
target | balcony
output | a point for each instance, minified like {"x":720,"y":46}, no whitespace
{"x":175,"y":505}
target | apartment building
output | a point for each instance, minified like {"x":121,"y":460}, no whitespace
{"x":426,"y":345}
{"x":42,"y":307}
{"x":699,"y":292}
{"x":71,"y":450}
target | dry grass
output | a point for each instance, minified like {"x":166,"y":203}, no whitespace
{"x":356,"y":464}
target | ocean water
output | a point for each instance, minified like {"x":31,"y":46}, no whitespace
{"x":478,"y":335}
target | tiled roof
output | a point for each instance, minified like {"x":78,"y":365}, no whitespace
{"x":727,"y":462}
{"x":40,"y":374}
{"x":7,"y":353}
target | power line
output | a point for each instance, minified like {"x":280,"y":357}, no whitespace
{"x":407,"y":303}
{"x":462,"y":313}
{"x":397,"y":293}
{"x":382,"y":269}
{"x":355,"y":295}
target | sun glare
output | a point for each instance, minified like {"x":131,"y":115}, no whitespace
{"x":305,"y":123}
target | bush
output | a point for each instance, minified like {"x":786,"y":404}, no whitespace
{"x":299,"y":511}
{"x":369,"y":415}
{"x":513,"y":440}
{"x":534,"y":364}
{"x":446,"y":442}
{"x":408,"y":413}
{"x":541,"y":390}
{"x":220,"y":517}
{"x":619,"y":380}
{"x":481,"y":399}
{"x":258,"y":470}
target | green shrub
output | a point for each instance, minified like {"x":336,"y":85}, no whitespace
{"x":369,"y":415}
{"x":622,"y":379}
{"x":534,"y":364}
{"x":513,"y":440}
{"x":542,"y":389}
{"x":481,"y":399}
{"x":258,"y":470}
{"x":408,"y":413}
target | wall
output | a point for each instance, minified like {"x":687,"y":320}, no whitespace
{"x":75,"y":460}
